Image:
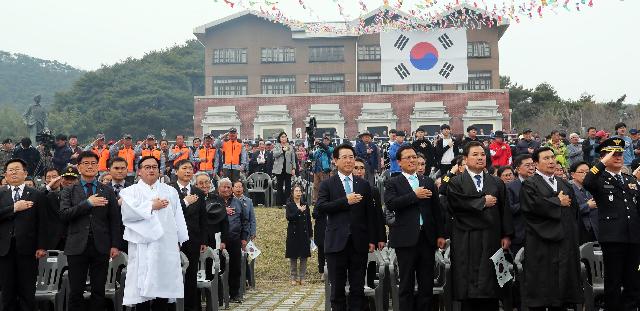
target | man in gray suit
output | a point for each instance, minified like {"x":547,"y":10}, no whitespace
{"x":94,"y":232}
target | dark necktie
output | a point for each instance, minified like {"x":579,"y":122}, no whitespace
{"x":619,"y":179}
{"x":117,"y":188}
{"x":184,"y":191}
{"x":478,"y":180}
{"x":552,"y":180}
{"x":89,"y":187}
{"x":16,"y":194}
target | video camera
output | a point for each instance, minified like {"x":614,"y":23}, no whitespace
{"x":46,"y":139}
{"x":311,"y":131}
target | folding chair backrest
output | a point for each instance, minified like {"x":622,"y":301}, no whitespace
{"x":591,"y":255}
{"x":50,"y":269}
{"x":258,"y":182}
{"x":374,"y":261}
{"x":115,"y":268}
{"x":184,"y":263}
{"x":439,"y":270}
{"x":223,"y":267}
{"x":206,"y":257}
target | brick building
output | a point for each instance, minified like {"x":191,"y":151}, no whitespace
{"x":263,"y":77}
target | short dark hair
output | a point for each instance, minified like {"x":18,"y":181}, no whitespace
{"x":73,"y":136}
{"x":574,"y":167}
{"x":147,"y":158}
{"x":619,"y":125}
{"x":536,"y":154}
{"x":61,"y":137}
{"x":14,"y":160}
{"x":519,"y":159}
{"x":445,"y":126}
{"x":457,"y":160}
{"x":164,"y":141}
{"x":501,"y":170}
{"x":471,"y":127}
{"x":467,"y":147}
{"x":591,"y":128}
{"x":197,"y":138}
{"x":420,"y":155}
{"x":392,"y":131}
{"x":554,"y":132}
{"x":361,"y":160}
{"x":51,"y":169}
{"x":87,"y":154}
{"x":116,"y":159}
{"x":401,"y":149}
{"x":181,"y":163}
{"x":336,"y":151}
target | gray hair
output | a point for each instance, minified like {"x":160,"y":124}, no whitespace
{"x":224,"y":180}
{"x":195,"y":177}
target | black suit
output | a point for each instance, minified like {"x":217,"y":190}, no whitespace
{"x":619,"y":227}
{"x":116,"y":190}
{"x":513,"y":193}
{"x":415,"y":245}
{"x":91,"y":232}
{"x":254,"y":166}
{"x":21,"y":234}
{"x":55,"y":226}
{"x":195,"y":215}
{"x":350,"y":230}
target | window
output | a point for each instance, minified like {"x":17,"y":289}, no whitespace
{"x":332,"y":83}
{"x":229,"y":56}
{"x":478,"y":49}
{"x":278,"y":84}
{"x":478,"y":80}
{"x":278,"y":55}
{"x":326,"y":54}
{"x":424,"y":87}
{"x":230,"y":86}
{"x":370,"y":82}
{"x":369,"y":52}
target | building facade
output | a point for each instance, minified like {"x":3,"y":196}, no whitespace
{"x":263,"y":77}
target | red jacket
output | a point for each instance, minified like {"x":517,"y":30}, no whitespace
{"x":500,"y":153}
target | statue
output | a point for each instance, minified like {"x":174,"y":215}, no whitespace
{"x":35,"y":118}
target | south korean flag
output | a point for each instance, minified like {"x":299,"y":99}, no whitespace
{"x":416,"y":57}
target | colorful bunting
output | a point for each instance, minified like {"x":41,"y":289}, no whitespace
{"x":422,"y":15}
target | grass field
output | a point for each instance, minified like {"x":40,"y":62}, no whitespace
{"x":272,"y":268}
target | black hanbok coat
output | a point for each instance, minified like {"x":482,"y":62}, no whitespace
{"x":551,"y":255}
{"x":476,"y":235}
{"x":299,"y":231}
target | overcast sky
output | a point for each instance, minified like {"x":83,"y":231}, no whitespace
{"x":593,"y":51}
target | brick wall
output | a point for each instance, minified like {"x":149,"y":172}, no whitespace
{"x":402,"y":103}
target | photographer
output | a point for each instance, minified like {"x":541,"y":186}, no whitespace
{"x":322,"y":163}
{"x":27,"y":153}
{"x":367,"y":150}
{"x":61,"y":153}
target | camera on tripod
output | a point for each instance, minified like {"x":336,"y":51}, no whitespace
{"x":46,"y":139}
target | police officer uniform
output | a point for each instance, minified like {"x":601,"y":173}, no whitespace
{"x":617,"y":197}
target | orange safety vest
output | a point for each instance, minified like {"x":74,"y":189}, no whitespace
{"x":232,"y":150}
{"x":103,"y":158}
{"x":151,"y":152}
{"x":129,"y":155}
{"x":206,"y":155}
{"x":185,"y":153}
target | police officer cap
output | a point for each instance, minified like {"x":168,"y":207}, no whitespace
{"x":70,"y":171}
{"x":614,"y":144}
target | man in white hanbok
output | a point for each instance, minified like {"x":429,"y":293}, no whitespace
{"x":155,"y":228}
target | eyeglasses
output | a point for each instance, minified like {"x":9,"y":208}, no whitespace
{"x":150,"y":167}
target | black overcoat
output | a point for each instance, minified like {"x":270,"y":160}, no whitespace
{"x":299,"y":232}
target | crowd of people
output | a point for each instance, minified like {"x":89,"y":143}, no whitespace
{"x":484,"y":193}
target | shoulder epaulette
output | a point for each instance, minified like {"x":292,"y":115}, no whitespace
{"x":594,"y":170}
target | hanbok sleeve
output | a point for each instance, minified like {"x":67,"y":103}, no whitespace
{"x":141,"y":225}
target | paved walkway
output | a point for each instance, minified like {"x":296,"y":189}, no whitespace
{"x":308,"y":297}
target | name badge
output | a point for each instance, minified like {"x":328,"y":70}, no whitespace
{"x":52,"y":259}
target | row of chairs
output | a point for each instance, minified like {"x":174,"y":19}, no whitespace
{"x":52,"y":283}
{"x":382,"y":280}
{"x":262,"y":183}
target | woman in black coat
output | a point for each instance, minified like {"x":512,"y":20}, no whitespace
{"x":299,"y":234}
